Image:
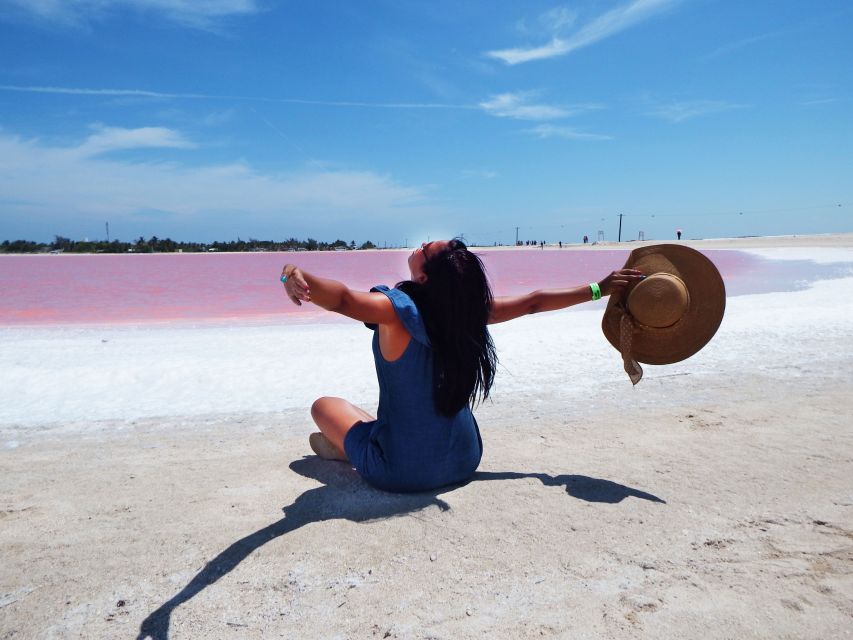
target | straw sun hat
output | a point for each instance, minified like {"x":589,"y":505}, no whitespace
{"x":669,"y":315}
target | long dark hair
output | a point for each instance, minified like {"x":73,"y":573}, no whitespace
{"x":455,"y":301}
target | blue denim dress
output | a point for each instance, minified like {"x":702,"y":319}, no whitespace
{"x":410,"y":446}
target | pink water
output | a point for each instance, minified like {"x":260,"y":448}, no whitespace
{"x":112,"y":289}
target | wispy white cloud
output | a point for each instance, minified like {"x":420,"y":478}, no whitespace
{"x":551,"y":21}
{"x":217,"y":118}
{"x":738,"y":44}
{"x":106,"y":139}
{"x":565,"y":133}
{"x":194,"y":13}
{"x":680,"y":111}
{"x":145,"y":93}
{"x":519,"y":105}
{"x":819,"y":93}
{"x":556,"y":47}
{"x":558,"y":18}
{"x":484,"y":174}
{"x":107,"y":92}
{"x":85,"y":180}
{"x":818,"y":101}
{"x":604,"y":26}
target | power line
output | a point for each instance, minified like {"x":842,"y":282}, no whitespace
{"x":572,"y":220}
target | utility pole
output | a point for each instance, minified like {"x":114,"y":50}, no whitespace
{"x":620,"y":228}
{"x":516,"y":236}
{"x":108,"y":232}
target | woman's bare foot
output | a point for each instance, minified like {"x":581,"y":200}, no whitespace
{"x":324,"y":448}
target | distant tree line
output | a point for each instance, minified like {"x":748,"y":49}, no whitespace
{"x":167,"y":245}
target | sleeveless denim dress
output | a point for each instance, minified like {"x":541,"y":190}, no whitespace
{"x":411,"y":447}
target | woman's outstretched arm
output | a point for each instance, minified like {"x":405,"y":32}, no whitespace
{"x":332,"y":295}
{"x":511,"y":307}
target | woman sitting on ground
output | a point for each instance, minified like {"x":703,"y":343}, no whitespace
{"x":434,"y":360}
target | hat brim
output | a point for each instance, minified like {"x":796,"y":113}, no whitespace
{"x":699,"y":323}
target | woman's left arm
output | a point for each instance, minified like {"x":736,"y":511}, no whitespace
{"x":511,"y":307}
{"x":332,"y":295}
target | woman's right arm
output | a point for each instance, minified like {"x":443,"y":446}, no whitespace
{"x":332,"y":295}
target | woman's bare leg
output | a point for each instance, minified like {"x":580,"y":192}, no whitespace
{"x":335,"y":417}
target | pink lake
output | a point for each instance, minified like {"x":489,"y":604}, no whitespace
{"x":154,"y":288}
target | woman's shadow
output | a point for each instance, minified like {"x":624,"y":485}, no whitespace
{"x":345,"y":496}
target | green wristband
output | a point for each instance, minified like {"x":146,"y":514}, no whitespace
{"x":596,"y":290}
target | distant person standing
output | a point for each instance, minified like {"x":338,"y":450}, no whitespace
{"x":678,"y":233}
{"x":585,"y":239}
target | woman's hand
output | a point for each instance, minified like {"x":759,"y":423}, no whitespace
{"x":619,"y":280}
{"x":295,"y":285}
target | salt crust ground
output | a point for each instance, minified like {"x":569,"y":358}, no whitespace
{"x":713,"y":501}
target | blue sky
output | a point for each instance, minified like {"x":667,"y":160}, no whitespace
{"x":399,"y":121}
